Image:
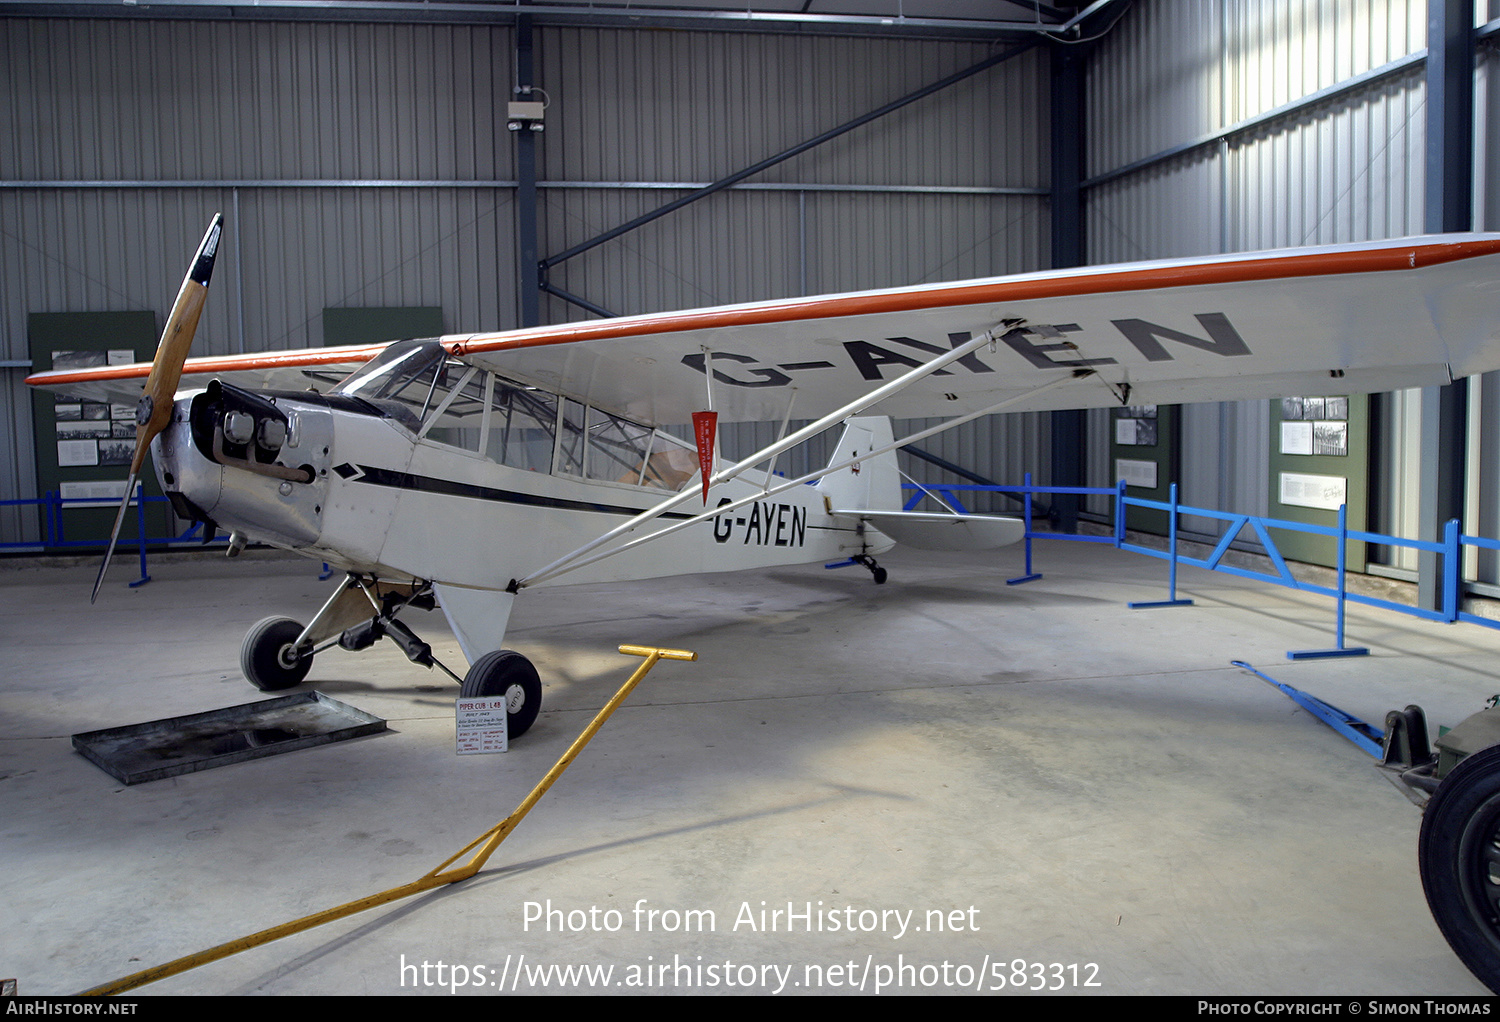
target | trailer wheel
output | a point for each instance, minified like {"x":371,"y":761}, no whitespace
{"x":1459,"y":857}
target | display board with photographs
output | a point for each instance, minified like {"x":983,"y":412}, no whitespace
{"x":1315,"y":426}
{"x":1135,"y":426}
{"x":1143,"y":451}
{"x":84,"y":446}
{"x":92,"y":432}
{"x":1318,"y":462}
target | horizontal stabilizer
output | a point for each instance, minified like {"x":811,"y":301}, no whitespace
{"x":935,"y":531}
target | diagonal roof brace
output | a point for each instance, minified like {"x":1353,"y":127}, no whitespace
{"x":785,"y":155}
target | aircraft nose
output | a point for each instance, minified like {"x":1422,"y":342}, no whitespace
{"x":249,"y":462}
{"x":190,"y":481}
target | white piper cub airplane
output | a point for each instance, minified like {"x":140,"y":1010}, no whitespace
{"x":459,"y":471}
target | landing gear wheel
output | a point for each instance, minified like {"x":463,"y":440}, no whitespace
{"x":1459,"y":857}
{"x":267,"y":656}
{"x":506,"y":672}
{"x":875,"y":569}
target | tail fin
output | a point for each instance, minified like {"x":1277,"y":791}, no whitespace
{"x":869,"y":491}
{"x":870,"y":483}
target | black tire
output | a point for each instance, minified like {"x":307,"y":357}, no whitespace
{"x":506,"y":672}
{"x":879,"y":574}
{"x":267,"y":658}
{"x":1459,"y":857}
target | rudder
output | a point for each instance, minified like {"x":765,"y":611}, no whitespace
{"x":870,"y":483}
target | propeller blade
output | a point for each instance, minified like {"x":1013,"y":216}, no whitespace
{"x":154,"y":411}
{"x":114,"y":535}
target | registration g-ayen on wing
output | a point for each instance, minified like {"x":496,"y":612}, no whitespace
{"x":459,"y":471}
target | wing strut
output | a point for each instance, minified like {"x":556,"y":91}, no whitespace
{"x":578,"y":560}
{"x":786,"y":421}
{"x":785,"y":444}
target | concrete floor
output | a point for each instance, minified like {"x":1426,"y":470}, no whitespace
{"x":1061,"y":780}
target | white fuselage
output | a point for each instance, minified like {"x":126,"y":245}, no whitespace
{"x":384,"y":502}
{"x":427,"y":510}
{"x":422,"y":467}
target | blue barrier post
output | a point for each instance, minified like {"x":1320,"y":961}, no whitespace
{"x":1340,"y":602}
{"x":1459,"y":613}
{"x":1171,"y":600}
{"x":1030,"y":575}
{"x":1119,"y":513}
{"x":53,"y":516}
{"x":1452,"y":571}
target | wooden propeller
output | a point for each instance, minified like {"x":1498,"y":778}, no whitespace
{"x":154,"y":411}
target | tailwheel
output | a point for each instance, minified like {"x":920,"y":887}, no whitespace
{"x":1459,"y":857}
{"x":270,"y":658}
{"x":507,"y":673}
{"x":875,"y":569}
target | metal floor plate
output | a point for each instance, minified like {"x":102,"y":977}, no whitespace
{"x":202,"y":741}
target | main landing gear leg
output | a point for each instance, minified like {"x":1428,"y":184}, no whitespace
{"x":277,"y":652}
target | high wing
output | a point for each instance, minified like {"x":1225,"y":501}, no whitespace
{"x":273,"y":370}
{"x":1338,"y":319}
{"x":1343,"y":319}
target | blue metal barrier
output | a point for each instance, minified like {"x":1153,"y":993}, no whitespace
{"x":1459,"y":614}
{"x":54,"y":534}
{"x":1171,"y":600}
{"x":1450,"y":551}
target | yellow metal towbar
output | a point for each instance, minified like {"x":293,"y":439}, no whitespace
{"x":485,"y":844}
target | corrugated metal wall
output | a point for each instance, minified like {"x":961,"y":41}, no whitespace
{"x":651,"y":107}
{"x":370,"y":165}
{"x":1346,"y":167}
{"x":1483,"y":514}
{"x":292,"y":131}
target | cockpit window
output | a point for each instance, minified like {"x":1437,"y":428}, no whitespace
{"x":522,"y":424}
{"x":453,"y":410}
{"x":612,"y":448}
{"x":446,"y":400}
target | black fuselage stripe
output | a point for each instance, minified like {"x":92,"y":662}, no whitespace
{"x":452,"y":488}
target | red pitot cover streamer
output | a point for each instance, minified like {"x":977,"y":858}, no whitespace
{"x":704,"y":424}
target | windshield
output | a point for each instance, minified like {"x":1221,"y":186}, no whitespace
{"x":399,"y":381}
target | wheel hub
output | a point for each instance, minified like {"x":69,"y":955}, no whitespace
{"x":515,"y":698}
{"x":1479,"y":865}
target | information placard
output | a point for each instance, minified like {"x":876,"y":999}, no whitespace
{"x":480,"y":725}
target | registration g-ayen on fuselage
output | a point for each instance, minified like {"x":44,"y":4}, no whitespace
{"x":459,"y":471}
